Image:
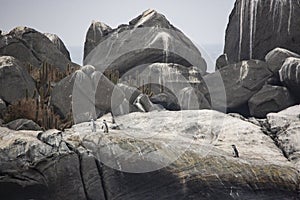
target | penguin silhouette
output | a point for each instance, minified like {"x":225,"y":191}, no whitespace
{"x":105,"y":127}
{"x":235,"y":151}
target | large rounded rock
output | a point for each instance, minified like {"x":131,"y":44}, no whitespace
{"x":270,"y":99}
{"x":232,"y":86}
{"x":276,"y":58}
{"x":94,"y":35}
{"x":23,"y":124}
{"x":257,"y":26}
{"x":285,"y":125}
{"x":192,"y":99}
{"x":15,"y":80}
{"x":86,"y":93}
{"x":290,"y":75}
{"x":221,"y":62}
{"x":59,"y":44}
{"x":32,"y":47}
{"x":150,"y":38}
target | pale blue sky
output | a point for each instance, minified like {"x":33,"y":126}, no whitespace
{"x":204,"y":21}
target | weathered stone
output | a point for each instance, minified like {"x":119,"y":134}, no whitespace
{"x":15,"y":80}
{"x":90,"y":93}
{"x":150,"y":38}
{"x":270,"y":99}
{"x":2,"y":107}
{"x":32,"y":47}
{"x":257,"y":26}
{"x":285,"y":125}
{"x":23,"y":124}
{"x":289,"y":75}
{"x":276,"y":58}
{"x":96,"y":32}
{"x":167,"y":100}
{"x":232,"y":86}
{"x":59,"y":44}
{"x":192,"y":99}
{"x":221,"y":61}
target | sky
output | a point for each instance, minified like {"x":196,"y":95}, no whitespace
{"x":203,"y":21}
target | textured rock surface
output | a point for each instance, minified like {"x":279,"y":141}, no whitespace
{"x":56,"y":165}
{"x":221,"y":61}
{"x":96,"y":32}
{"x":32,"y":47}
{"x":59,"y":44}
{"x":276,"y":58}
{"x":289,"y":75}
{"x":2,"y":107}
{"x":167,"y":100}
{"x":257,"y":26}
{"x":270,"y":99}
{"x":23,"y":124}
{"x":285,"y":125}
{"x":14,"y":79}
{"x":192,"y":99}
{"x":149,"y":38}
{"x":238,"y":81}
{"x":90,"y":92}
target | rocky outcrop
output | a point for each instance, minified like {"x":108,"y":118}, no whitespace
{"x":32,"y":47}
{"x":232,"y":86}
{"x":15,"y":80}
{"x":149,"y":38}
{"x":2,"y":107}
{"x":192,"y":99}
{"x":257,"y":26}
{"x":23,"y":124}
{"x":277,"y":57}
{"x":59,"y":44}
{"x":176,"y":159}
{"x":221,"y":61}
{"x":96,"y":33}
{"x":270,"y":99}
{"x":87,"y":93}
{"x":285,"y":125}
{"x":289,"y":75}
{"x":167,"y":100}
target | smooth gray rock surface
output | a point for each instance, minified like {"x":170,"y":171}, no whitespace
{"x":15,"y":80}
{"x":32,"y":47}
{"x":149,"y":38}
{"x":192,"y":99}
{"x":59,"y":44}
{"x":232,"y":86}
{"x":87,"y":93}
{"x":96,"y":32}
{"x":2,"y":107}
{"x":221,"y":61}
{"x":270,"y":99}
{"x":23,"y":124}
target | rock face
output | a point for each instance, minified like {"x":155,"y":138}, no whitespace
{"x":289,"y":75}
{"x":257,"y":26}
{"x":59,"y":44}
{"x":277,"y":57}
{"x":270,"y":99}
{"x":78,"y":164}
{"x":90,"y":93}
{"x":15,"y":80}
{"x":285,"y":125}
{"x":233,"y":85}
{"x":192,"y":99}
{"x":2,"y":107}
{"x":96,"y":32}
{"x":23,"y":124}
{"x":149,"y":38}
{"x":221,"y":61}
{"x":32,"y":47}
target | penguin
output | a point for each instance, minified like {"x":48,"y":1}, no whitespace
{"x":93,"y":125}
{"x":138,"y":104}
{"x":105,"y":127}
{"x":235,"y":151}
